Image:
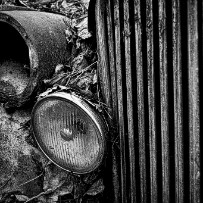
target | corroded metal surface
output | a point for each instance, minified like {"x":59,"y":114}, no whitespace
{"x":44,"y":35}
{"x":151,"y":100}
{"x":106,"y":85}
{"x":194,"y":102}
{"x":163,"y":63}
{"x":155,"y":74}
{"x":178,"y":113}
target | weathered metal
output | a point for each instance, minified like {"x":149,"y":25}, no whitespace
{"x":34,"y":39}
{"x":150,"y":73}
{"x":194,"y":69}
{"x":178,"y":111}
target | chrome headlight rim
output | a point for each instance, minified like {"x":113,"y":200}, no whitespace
{"x":91,"y":113}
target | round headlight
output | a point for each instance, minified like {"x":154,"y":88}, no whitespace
{"x":69,"y":132}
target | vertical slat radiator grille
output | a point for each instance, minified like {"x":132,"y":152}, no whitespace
{"x":150,"y":55}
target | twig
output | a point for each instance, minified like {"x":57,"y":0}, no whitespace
{"x":85,"y":69}
{"x":35,"y":177}
{"x":79,"y":73}
{"x":5,"y":183}
{"x":30,"y":180}
{"x":115,"y":142}
{"x":46,"y":192}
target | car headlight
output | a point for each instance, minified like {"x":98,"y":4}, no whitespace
{"x":69,"y":132}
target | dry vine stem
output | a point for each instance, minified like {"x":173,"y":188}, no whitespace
{"x":46,"y":192}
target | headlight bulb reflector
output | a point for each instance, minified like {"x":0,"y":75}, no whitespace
{"x":69,"y":132}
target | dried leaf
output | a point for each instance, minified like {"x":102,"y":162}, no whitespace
{"x":59,"y":68}
{"x":82,"y":29}
{"x":95,"y":78}
{"x":53,"y":176}
{"x":86,"y":3}
{"x":99,"y":107}
{"x":72,"y":9}
{"x":71,"y":33}
{"x":21,"y":198}
{"x":42,"y":199}
{"x":78,"y":43}
{"x":85,"y":81}
{"x":79,"y":63}
{"x":66,"y":189}
{"x":64,"y":4}
{"x":52,"y":199}
{"x":96,"y":188}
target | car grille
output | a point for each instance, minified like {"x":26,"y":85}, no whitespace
{"x":150,"y":67}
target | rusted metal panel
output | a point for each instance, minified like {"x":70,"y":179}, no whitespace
{"x":131,"y":111}
{"x":156,"y":68}
{"x":111,"y":54}
{"x":164,"y":100}
{"x":102,"y":52}
{"x":44,"y":35}
{"x":107,"y":89}
{"x":194,"y":113}
{"x":114,"y":115}
{"x":151,"y":101}
{"x":140,"y":94}
{"x":177,"y":86}
{"x":140,"y":98}
{"x":119,"y":76}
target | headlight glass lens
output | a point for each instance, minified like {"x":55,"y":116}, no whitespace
{"x":67,"y":134}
